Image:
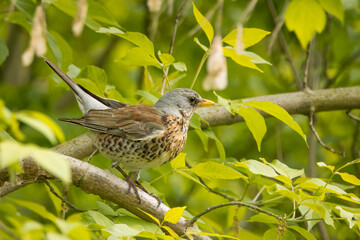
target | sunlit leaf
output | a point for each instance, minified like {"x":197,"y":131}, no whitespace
{"x":43,"y":124}
{"x":349,"y":178}
{"x":96,"y":74}
{"x":348,"y":215}
{"x":99,"y":218}
{"x":286,"y":170}
{"x":250,"y":36}
{"x":123,"y":230}
{"x":179,"y":161}
{"x":255,"y":122}
{"x":147,"y":95}
{"x":264,"y":218}
{"x":36,"y":208}
{"x":305,"y":17}
{"x":171,"y":232}
{"x":334,"y":7}
{"x":256,"y":58}
{"x":204,"y":23}
{"x":257,"y":167}
{"x":323,"y":212}
{"x":166,"y":59}
{"x":305,"y":233}
{"x":279,"y":113}
{"x":273,"y":233}
{"x":213,"y":170}
{"x":242,"y":60}
{"x":136,"y":56}
{"x":151,"y":216}
{"x":180,"y":66}
{"x":139,"y":39}
{"x":174,"y":214}
{"x":322,"y":164}
{"x":54,"y":163}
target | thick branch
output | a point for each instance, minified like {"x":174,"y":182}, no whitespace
{"x":96,"y":181}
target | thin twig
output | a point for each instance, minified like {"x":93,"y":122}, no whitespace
{"x":250,"y":206}
{"x":307,"y":65}
{"x":284,"y":46}
{"x":258,"y":194}
{"x":176,"y":22}
{"x":353,"y":117}
{"x":210,"y":189}
{"x":346,"y":64}
{"x":219,"y":17}
{"x":61,"y":198}
{"x":247,"y":12}
{"x":279,"y":22}
{"x":311,"y":124}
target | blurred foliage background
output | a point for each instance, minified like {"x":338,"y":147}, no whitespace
{"x":334,"y":63}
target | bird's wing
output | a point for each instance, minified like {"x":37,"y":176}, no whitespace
{"x":136,"y":122}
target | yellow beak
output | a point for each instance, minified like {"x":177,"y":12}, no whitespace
{"x":206,"y":102}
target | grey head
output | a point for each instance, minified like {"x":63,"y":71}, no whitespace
{"x":181,"y":102}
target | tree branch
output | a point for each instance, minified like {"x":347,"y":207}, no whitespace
{"x":95,"y":181}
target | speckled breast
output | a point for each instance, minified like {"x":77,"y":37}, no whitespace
{"x":138,"y":154}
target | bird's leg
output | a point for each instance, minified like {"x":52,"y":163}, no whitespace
{"x":92,"y":154}
{"x":129,"y":181}
{"x":135,"y":175}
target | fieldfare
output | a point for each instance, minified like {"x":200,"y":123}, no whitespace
{"x":135,"y":136}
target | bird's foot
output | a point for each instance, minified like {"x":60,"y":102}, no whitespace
{"x":138,"y":184}
{"x":130,"y":182}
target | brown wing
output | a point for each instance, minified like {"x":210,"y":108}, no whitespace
{"x":135,"y":122}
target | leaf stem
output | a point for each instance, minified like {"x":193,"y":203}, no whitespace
{"x":199,"y":68}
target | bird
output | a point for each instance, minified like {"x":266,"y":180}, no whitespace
{"x":135,"y":137}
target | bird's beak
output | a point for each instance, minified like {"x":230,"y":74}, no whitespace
{"x":206,"y":102}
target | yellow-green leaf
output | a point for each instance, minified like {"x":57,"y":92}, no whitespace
{"x":305,"y":233}
{"x":54,"y":163}
{"x":279,"y":113}
{"x":305,"y":17}
{"x":151,"y":216}
{"x":139,"y":39}
{"x":251,"y":36}
{"x":242,"y":60}
{"x":257,"y":167}
{"x":255,"y":122}
{"x":171,"y":232}
{"x":322,"y":164}
{"x":334,"y":7}
{"x":166,"y":59}
{"x":174,"y":214}
{"x":138,"y":57}
{"x":348,"y":215}
{"x":179,"y":161}
{"x":204,"y":23}
{"x":349,"y":178}
{"x":213,"y":170}
{"x":263,"y":218}
{"x":324,"y":213}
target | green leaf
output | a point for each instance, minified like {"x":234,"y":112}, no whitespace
{"x":179,"y":161}
{"x":213,"y":170}
{"x":305,"y":17}
{"x":20,"y":19}
{"x":147,"y":95}
{"x":174,"y":214}
{"x":210,"y":134}
{"x":322,"y":164}
{"x":180,"y":66}
{"x":123,"y":230}
{"x":349,"y":178}
{"x":348,"y":215}
{"x":139,"y":39}
{"x":279,"y":113}
{"x":171,"y":232}
{"x":225,"y":103}
{"x":256,"y":58}
{"x":255,"y":122}
{"x":323,"y":213}
{"x":204,"y":24}
{"x":97,"y":75}
{"x":251,"y":36}
{"x":305,"y":233}
{"x":61,"y":49}
{"x":257,"y":167}
{"x":203,"y":47}
{"x":195,"y":121}
{"x":36,"y":208}
{"x":4,"y":52}
{"x":334,"y":7}
{"x":138,"y":57}
{"x":263,"y":218}
{"x":273,"y":233}
{"x":99,"y":218}
{"x":43,"y":124}
{"x":285,"y":170}
{"x":242,"y":60}
{"x":152,"y":217}
{"x":287,"y":193}
{"x":166,"y":59}
{"x":106,"y":209}
{"x":12,"y":152}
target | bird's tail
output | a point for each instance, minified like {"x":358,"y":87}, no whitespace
{"x":85,"y":99}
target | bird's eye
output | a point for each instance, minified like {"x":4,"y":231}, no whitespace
{"x":192,"y":99}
